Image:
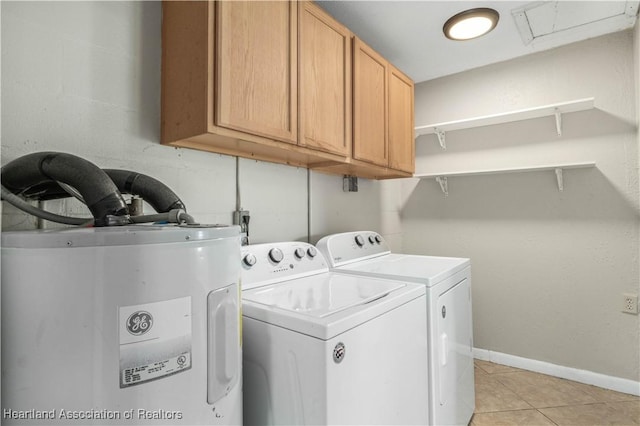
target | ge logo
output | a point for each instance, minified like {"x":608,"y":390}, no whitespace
{"x":139,"y":323}
{"x":181,"y":360}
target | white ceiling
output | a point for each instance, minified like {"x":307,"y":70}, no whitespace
{"x":409,"y":33}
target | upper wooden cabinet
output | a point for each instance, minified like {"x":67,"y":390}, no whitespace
{"x":370,"y":105}
{"x":401,"y":121}
{"x":324,"y":81}
{"x":256,"y":68}
{"x":383,"y":111}
{"x":230,"y":80}
{"x":281,"y":81}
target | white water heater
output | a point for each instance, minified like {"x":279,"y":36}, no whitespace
{"x":121,"y":325}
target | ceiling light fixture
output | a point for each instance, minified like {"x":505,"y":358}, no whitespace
{"x":471,"y":23}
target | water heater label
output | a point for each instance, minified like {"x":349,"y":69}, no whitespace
{"x":155,"y":340}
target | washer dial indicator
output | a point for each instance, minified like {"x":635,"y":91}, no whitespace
{"x":276,"y":255}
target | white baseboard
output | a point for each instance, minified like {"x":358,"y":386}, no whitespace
{"x":582,"y":376}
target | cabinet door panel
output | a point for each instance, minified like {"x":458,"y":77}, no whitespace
{"x":401,"y":117}
{"x":324,"y":81}
{"x":370,"y":105}
{"x":256,"y":68}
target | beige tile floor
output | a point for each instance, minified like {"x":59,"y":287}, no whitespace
{"x":510,"y":396}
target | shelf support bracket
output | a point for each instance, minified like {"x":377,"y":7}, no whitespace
{"x":560,"y":179}
{"x":441,"y":137}
{"x":442,"y":180}
{"x":558,"y":115}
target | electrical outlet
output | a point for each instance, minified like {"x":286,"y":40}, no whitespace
{"x":350,"y":183}
{"x":630,"y":303}
{"x":241,"y":217}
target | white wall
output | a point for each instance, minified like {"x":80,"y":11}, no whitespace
{"x":636,"y":56}
{"x":636,"y":53}
{"x":374,"y":207}
{"x":549,"y":268}
{"x":84,"y":78}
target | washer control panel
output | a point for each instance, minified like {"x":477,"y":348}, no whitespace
{"x":264,"y":264}
{"x":340,"y":249}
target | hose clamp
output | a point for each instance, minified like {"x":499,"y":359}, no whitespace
{"x":113,"y":220}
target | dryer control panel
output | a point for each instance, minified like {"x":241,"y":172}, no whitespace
{"x":264,"y":264}
{"x":347,"y":247}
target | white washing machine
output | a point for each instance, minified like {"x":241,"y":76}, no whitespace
{"x":447,"y":281}
{"x":121,"y":325}
{"x":328,"y":348}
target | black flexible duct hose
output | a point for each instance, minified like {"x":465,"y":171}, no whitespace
{"x":173,"y":216}
{"x":154,"y":192}
{"x":98,"y":190}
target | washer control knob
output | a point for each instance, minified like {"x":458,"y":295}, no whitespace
{"x":249,"y":259}
{"x":372,"y":240}
{"x":311,"y":251}
{"x":359,"y":240}
{"x":299,"y":253}
{"x":378,"y":239}
{"x":276,"y":255}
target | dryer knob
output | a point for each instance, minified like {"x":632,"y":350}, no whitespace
{"x":249,"y":259}
{"x":299,"y":253}
{"x":372,"y":240}
{"x":276,"y":255}
{"x":378,"y":239}
{"x":311,"y":251}
{"x":359,"y":240}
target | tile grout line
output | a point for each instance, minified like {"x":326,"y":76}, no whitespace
{"x":546,"y":417}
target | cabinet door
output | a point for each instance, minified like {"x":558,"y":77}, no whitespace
{"x":256,"y":78}
{"x":401,"y":141}
{"x":324,"y":76}
{"x":369,"y":105}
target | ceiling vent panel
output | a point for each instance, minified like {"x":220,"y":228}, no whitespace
{"x":567,"y":21}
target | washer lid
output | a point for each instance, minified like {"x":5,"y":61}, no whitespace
{"x":426,"y":270}
{"x":327,"y":304}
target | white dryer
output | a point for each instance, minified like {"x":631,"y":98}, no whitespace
{"x":327,"y":348}
{"x":447,"y":281}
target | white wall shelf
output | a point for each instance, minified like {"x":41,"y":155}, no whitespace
{"x":557,"y":109}
{"x":441,"y":178}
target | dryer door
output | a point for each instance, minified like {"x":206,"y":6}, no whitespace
{"x":454,"y":343}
